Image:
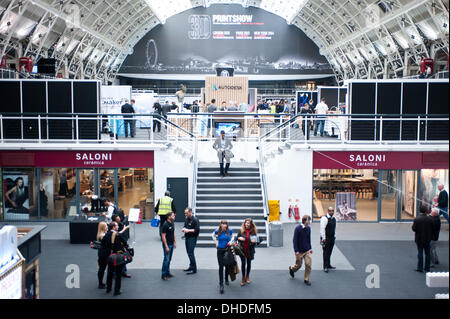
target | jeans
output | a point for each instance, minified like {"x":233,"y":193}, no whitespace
{"x":327,"y":250}
{"x":320,"y":123}
{"x":246,"y":266}
{"x":190,"y":246}
{"x":129,"y":123}
{"x":166,"y":262}
{"x":433,"y":252}
{"x":420,"y":249}
{"x":444,"y":211}
{"x":220,"y":254}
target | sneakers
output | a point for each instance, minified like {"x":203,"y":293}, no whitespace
{"x":221,"y":289}
{"x":291,"y":272}
{"x":307,"y":283}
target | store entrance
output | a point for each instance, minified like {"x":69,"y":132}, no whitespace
{"x":398,"y":200}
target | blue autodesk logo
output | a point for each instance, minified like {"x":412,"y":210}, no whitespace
{"x":214,"y":87}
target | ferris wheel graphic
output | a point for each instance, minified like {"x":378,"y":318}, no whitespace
{"x":151,"y":54}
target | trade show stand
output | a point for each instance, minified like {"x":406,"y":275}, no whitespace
{"x":83,"y":231}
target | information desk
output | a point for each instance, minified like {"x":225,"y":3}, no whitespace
{"x":83,"y":231}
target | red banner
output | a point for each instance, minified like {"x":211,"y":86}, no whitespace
{"x":380,"y":160}
{"x":77,"y":159}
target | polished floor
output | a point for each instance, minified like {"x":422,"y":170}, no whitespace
{"x":389,"y":246}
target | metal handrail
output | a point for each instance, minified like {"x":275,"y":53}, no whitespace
{"x":264,"y":191}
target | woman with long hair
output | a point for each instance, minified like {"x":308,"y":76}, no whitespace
{"x":222,"y":238}
{"x":247,"y":238}
{"x":103,"y":254}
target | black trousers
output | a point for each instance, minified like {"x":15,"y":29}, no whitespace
{"x":222,"y":171}
{"x":220,"y":254}
{"x":114,"y":271}
{"x":102,"y":264}
{"x":156,"y":124}
{"x":129,"y":124}
{"x":327,"y":250}
{"x":190,"y":247}
{"x":246,"y":266}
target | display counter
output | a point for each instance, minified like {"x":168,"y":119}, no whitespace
{"x":83,"y":231}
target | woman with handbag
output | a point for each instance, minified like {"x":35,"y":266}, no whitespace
{"x":103,"y":254}
{"x":247,"y":238}
{"x":116,"y":245}
{"x":222,"y":238}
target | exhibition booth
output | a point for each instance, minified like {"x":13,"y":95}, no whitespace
{"x":66,"y":185}
{"x":376,"y":186}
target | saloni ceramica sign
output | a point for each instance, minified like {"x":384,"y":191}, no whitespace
{"x":379,"y":160}
{"x":80,"y":159}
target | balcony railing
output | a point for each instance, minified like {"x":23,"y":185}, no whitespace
{"x":337,"y":128}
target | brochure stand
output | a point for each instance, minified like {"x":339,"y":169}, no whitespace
{"x":134,"y":217}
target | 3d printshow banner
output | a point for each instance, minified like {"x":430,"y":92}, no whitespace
{"x":77,"y":159}
{"x":250,"y":40}
{"x":380,"y":160}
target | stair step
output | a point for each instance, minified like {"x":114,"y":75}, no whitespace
{"x":232,"y":223}
{"x":227,"y":180}
{"x":233,"y":197}
{"x":223,"y":204}
{"x":228,"y":185}
{"x":231,"y":174}
{"x":234,"y":191}
{"x":230,"y":209}
{"x":221,"y":216}
{"x":231,"y":169}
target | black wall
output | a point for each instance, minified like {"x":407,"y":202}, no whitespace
{"x":400,"y":97}
{"x":58,"y":98}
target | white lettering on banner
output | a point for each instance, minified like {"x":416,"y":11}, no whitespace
{"x":93,"y":158}
{"x":371,"y":160}
{"x":231,"y":18}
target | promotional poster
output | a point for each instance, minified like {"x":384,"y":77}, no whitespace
{"x":345,"y":206}
{"x":250,"y":40}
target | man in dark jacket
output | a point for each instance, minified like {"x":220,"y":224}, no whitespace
{"x":436,"y":230}
{"x":127,"y":108}
{"x":157,"y":109}
{"x":302,"y":248}
{"x":443,"y":201}
{"x":423,"y":228}
{"x":191,"y":230}
{"x":306,"y":121}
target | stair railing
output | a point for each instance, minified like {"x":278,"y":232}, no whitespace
{"x":264,"y":191}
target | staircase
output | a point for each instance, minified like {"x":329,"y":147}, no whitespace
{"x":233,"y":198}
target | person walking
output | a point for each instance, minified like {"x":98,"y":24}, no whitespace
{"x":306,"y":120}
{"x":248,"y":239}
{"x":328,"y":237}
{"x":191,"y":230}
{"x":169,"y":243}
{"x":127,"y":108}
{"x":321,"y":109}
{"x":302,"y":249}
{"x":222,"y":239}
{"x":223,"y":147}
{"x":157,"y":109}
{"x":211,"y":109}
{"x":423,"y":229}
{"x":436,"y":230}
{"x":163,"y":207}
{"x":442,"y":203}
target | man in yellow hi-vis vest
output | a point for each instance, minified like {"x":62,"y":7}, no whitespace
{"x":163,"y":207}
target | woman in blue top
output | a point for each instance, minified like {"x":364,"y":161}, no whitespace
{"x":222,"y":238}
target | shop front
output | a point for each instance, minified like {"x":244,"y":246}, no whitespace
{"x":377,"y":186}
{"x":59,"y":185}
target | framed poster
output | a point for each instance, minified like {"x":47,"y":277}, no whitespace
{"x":345,"y":206}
